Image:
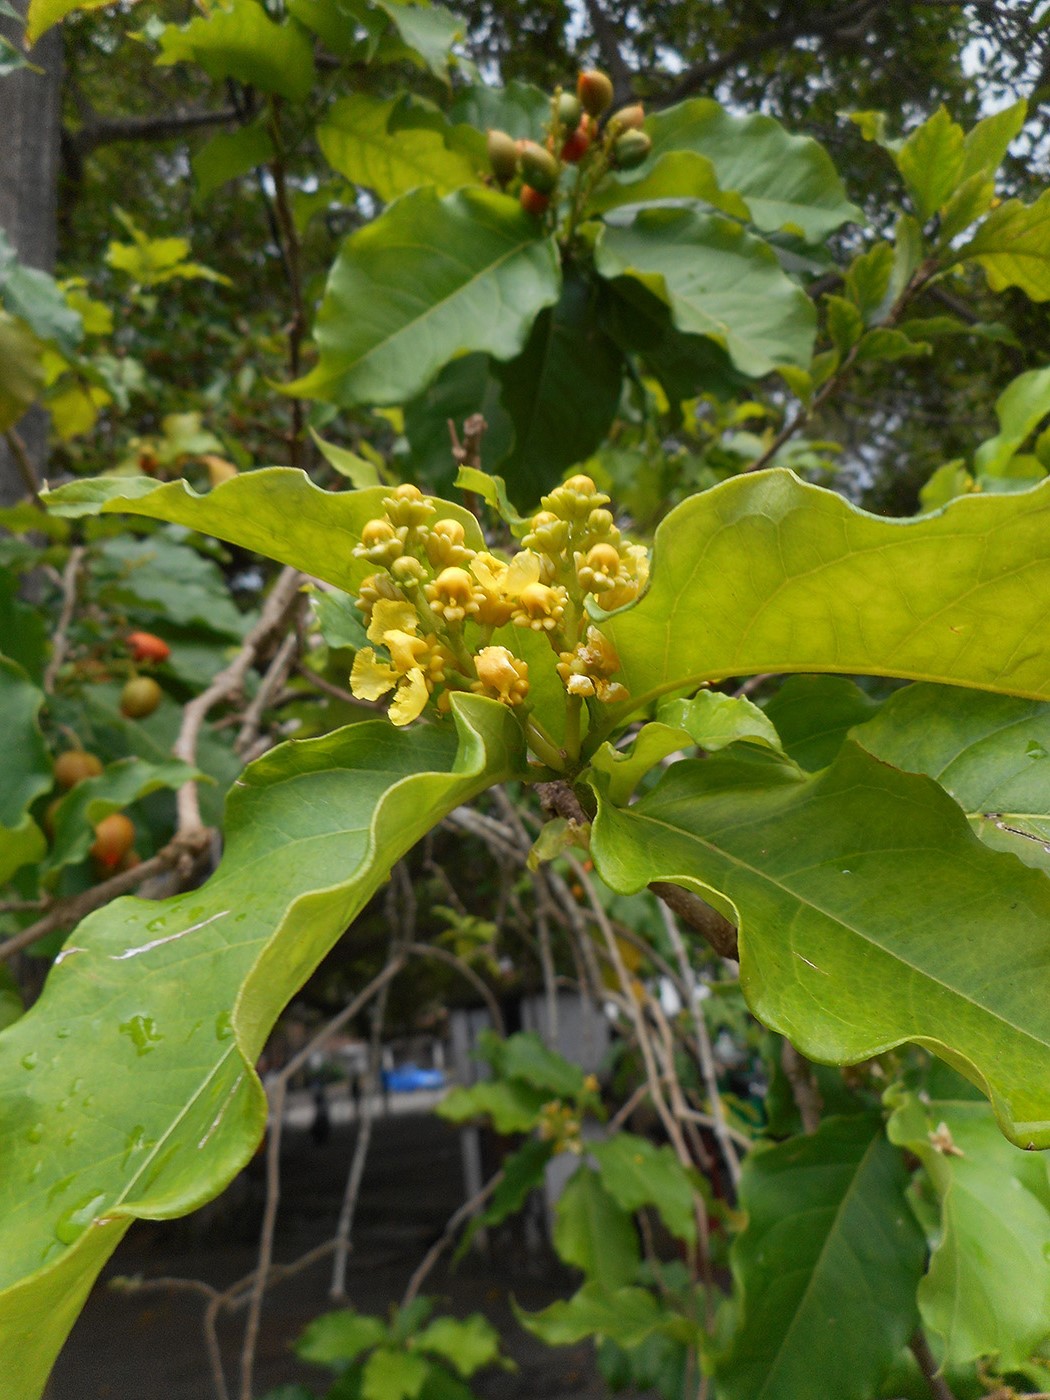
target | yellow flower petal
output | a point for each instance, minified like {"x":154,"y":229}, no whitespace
{"x":406,"y":651}
{"x":371,"y":678}
{"x":390,"y":616}
{"x":412,"y":695}
{"x":524,"y":569}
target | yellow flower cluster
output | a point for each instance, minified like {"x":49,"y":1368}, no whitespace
{"x":429,"y":587}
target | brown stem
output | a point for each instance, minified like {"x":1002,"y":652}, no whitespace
{"x":228,"y":682}
{"x":700,"y":917}
{"x":60,"y":641}
{"x":26,"y":471}
{"x":920,"y":1349}
{"x":803,"y":1086}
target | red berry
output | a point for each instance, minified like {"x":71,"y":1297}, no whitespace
{"x":146,"y":647}
{"x":578,"y":143}
{"x":533,"y":202}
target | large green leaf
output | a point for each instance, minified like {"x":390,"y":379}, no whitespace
{"x":128,"y":1090}
{"x":239,"y":40}
{"x":787,"y":181}
{"x":561,"y":392}
{"x":1013,"y":247}
{"x":25,"y":772}
{"x":987,"y":1292}
{"x":358,"y":140}
{"x":637,"y":1173}
{"x":814,"y":714}
{"x":989,"y":752}
{"x":718,"y":281}
{"x":426,"y":29}
{"x":931,"y":161}
{"x":274,"y":511}
{"x":464,"y":387}
{"x":629,"y":1315}
{"x":822,"y":875}
{"x":827,"y":1267}
{"x":594,"y":1233}
{"x":428,"y":280}
{"x":520,"y":109}
{"x":764,"y":573}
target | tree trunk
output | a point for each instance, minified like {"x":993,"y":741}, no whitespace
{"x":31,"y":114}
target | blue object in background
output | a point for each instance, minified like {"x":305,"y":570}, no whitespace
{"x":409,"y":1078}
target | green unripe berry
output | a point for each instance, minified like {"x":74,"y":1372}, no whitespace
{"x":595,"y":91}
{"x":569,"y":111}
{"x":631,"y":149}
{"x":539,"y":167}
{"x":503,"y":156}
{"x":140,"y":697}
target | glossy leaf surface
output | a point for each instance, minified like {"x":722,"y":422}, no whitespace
{"x":820,"y":874}
{"x":128,"y":1090}
{"x":764,"y":573}
{"x":358,"y":139}
{"x":718,"y":281}
{"x":429,"y":279}
{"x":827,"y":1267}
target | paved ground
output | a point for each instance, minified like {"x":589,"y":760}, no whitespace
{"x":148,"y":1346}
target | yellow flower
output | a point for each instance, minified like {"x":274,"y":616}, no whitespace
{"x":416,"y":663}
{"x":502,"y":675}
{"x":453,"y":595}
{"x":540,"y":607}
{"x":633,"y":576}
{"x":586,"y":670}
{"x":502,"y":584}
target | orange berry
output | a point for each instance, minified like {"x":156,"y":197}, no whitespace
{"x":146,"y":647}
{"x":114,"y":836}
{"x":74,"y":766}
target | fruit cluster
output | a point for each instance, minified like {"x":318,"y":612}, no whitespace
{"x":576,"y":136}
{"x":436,"y":604}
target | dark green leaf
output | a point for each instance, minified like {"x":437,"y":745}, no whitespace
{"x":827,"y":1267}
{"x":440,"y":277}
{"x":813,"y":715}
{"x":228,"y":155}
{"x":593,"y":1233}
{"x":240,"y":41}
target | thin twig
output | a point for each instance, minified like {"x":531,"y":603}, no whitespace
{"x":804,"y":1089}
{"x":278,"y":1092}
{"x":434,"y":1253}
{"x":445,"y":955}
{"x":67,"y":911}
{"x":705,"y":1053}
{"x":920,"y":1349}
{"x":60,"y":640}
{"x":228,"y":682}
{"x":26,"y":471}
{"x":276,"y":674}
{"x":706,"y":921}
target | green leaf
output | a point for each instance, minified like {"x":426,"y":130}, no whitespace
{"x":274,"y":511}
{"x":813,"y":715}
{"x":637,"y":1173}
{"x":882,"y":343}
{"x":522,"y":1173}
{"x":167,"y":580}
{"x":593,"y":1233}
{"x":709,"y":720}
{"x":1013,"y":247}
{"x":228,"y":155}
{"x":393,"y":1375}
{"x":239,"y":40}
{"x":358,"y":141}
{"x":149,"y":1028}
{"x":868,"y":279}
{"x":931,"y":162}
{"x":827,"y":1267}
{"x":429,"y":30}
{"x":440,"y":277}
{"x":988,"y":751}
{"x":21,"y":370}
{"x":25,"y":772}
{"x":43,"y":14}
{"x":464,"y":387}
{"x":629,"y":1315}
{"x":525,"y":1057}
{"x":1020,"y":408}
{"x":788,"y":181}
{"x":987,"y":1292}
{"x":718,"y":281}
{"x":84,"y":806}
{"x":468,"y":1344}
{"x":513,"y":1107}
{"x":673,"y":175}
{"x":336,"y":1339}
{"x":36,"y":298}
{"x":520,"y":109}
{"x":820,"y":873}
{"x":357,"y":470}
{"x":561,"y":393}
{"x":845,"y":323}
{"x":955,"y":597}
{"x":986,"y":145}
